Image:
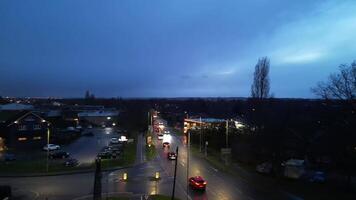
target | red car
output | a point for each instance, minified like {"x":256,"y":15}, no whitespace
{"x":197,"y":183}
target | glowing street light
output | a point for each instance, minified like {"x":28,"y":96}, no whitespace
{"x":157,"y":176}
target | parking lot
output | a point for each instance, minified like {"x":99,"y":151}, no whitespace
{"x":83,"y":151}
{"x":86,"y":148}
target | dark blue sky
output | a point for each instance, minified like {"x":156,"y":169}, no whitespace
{"x":172,"y":48}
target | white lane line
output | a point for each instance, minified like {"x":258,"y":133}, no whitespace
{"x":216,"y":170}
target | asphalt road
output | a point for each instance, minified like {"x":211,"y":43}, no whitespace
{"x":140,"y":180}
{"x":220,"y":186}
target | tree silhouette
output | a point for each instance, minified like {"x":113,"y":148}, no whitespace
{"x":260,"y":86}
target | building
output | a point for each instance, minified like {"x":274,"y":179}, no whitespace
{"x":196,"y":123}
{"x":22,"y":129}
{"x":100,"y":118}
{"x":16,"y":106}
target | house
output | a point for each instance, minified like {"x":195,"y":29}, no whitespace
{"x":22,"y":129}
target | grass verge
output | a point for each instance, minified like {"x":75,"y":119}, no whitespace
{"x":150,"y":152}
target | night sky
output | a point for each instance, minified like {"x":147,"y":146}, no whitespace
{"x":171,"y":48}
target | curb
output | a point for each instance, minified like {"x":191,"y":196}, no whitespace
{"x":62,"y":173}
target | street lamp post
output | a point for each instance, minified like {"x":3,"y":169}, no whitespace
{"x":227,"y":133}
{"x":175,"y":174}
{"x":48,"y":133}
{"x":200,"y":145}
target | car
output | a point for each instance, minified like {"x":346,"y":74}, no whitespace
{"x":71,"y":162}
{"x":59,"y":155}
{"x":114,"y":140}
{"x":167,"y":131}
{"x":160,"y":136}
{"x":166,"y":144}
{"x":8,"y":157}
{"x":89,"y":126}
{"x":317,"y":177}
{"x":115,"y":149}
{"x":172,"y":156}
{"x":105,"y":155}
{"x":197,"y":183}
{"x":51,"y":147}
{"x":264,"y":168}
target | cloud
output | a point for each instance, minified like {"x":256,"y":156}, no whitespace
{"x":317,"y":36}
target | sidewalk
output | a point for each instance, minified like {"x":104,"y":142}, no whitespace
{"x":140,"y":154}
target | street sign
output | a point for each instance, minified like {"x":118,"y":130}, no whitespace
{"x":225,"y":151}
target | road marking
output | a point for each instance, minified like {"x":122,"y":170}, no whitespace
{"x":215,"y":169}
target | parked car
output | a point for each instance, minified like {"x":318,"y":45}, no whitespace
{"x":160,"y":136}
{"x":197,"y":183}
{"x":167,"y":131}
{"x":71,"y":162}
{"x":105,"y":155}
{"x":317,"y":177}
{"x":172,"y":156}
{"x":7,"y":157}
{"x":51,"y":147}
{"x":264,"y":168}
{"x":114,"y":140}
{"x":59,"y":155}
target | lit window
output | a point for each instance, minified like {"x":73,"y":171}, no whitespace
{"x":37,"y":138}
{"x":22,"y":127}
{"x":22,"y":139}
{"x":36,"y":126}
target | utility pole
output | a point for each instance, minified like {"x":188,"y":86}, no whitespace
{"x":175,"y":174}
{"x":48,"y":133}
{"x":188,"y":149}
{"x":206,"y":149}
{"x":227,"y":133}
{"x":200,"y":145}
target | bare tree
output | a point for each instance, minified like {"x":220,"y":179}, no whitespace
{"x":341,"y":85}
{"x":260,"y":86}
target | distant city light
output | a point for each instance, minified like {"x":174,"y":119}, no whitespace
{"x":108,"y":118}
{"x":123,"y":139}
